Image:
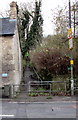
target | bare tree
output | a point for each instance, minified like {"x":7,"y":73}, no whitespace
{"x":59,"y":20}
{"x":5,"y":13}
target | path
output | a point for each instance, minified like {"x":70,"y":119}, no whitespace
{"x":25,"y":98}
{"x":27,"y":78}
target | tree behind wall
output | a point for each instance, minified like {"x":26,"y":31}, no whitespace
{"x":35,"y":34}
{"x":30,"y":34}
{"x":23,"y":23}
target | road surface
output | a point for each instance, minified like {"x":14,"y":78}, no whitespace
{"x":55,"y":109}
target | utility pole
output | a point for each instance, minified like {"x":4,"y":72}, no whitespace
{"x":74,"y":11}
{"x":74,"y":20}
{"x":71,"y":48}
{"x":69,"y":14}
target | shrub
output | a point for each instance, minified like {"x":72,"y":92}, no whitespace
{"x":49,"y":62}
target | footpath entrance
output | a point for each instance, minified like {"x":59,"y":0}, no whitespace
{"x":37,"y":88}
{"x":34,"y":90}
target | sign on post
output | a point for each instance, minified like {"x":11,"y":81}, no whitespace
{"x":70,"y":38}
{"x":70,"y":43}
{"x":4,"y":75}
{"x":71,"y":62}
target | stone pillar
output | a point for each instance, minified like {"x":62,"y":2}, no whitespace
{"x":13,"y":10}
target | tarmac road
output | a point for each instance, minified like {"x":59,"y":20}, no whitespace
{"x":55,"y":109}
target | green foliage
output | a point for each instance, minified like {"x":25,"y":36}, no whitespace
{"x":35,"y":33}
{"x":30,"y":35}
{"x":25,"y":19}
{"x":38,"y":92}
{"x":32,"y":94}
{"x":23,"y":25}
{"x":41,"y":89}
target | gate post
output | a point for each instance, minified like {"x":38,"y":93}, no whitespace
{"x":11,"y":91}
{"x":50,"y":88}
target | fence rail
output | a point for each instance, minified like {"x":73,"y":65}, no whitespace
{"x":33,"y":86}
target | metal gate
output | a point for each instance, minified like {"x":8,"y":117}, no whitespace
{"x":37,"y":88}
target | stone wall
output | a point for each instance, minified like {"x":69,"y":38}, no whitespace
{"x":17,"y":57}
{"x":7,"y":59}
{"x":10,"y":61}
{"x":10,"y":54}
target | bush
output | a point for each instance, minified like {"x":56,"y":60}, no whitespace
{"x":49,"y":62}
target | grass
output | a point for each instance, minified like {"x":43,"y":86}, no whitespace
{"x":49,"y":97}
{"x":32,"y":94}
{"x":38,"y":92}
